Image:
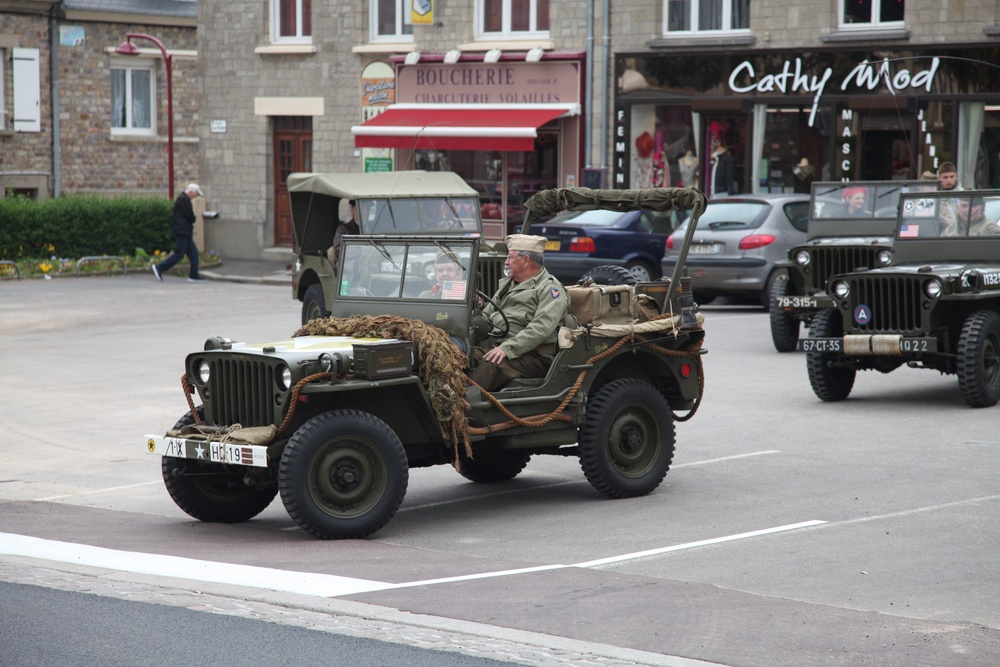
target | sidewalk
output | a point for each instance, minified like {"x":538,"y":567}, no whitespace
{"x":263,"y":271}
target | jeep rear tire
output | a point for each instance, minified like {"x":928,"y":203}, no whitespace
{"x":784,"y":327}
{"x":343,"y":474}
{"x":494,"y":466}
{"x":609,"y":274}
{"x":829,"y":383}
{"x":627,"y":440}
{"x":979,"y":359}
{"x":212,"y":492}
{"x":313,"y":304}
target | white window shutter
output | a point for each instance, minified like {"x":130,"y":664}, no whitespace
{"x":27,"y":91}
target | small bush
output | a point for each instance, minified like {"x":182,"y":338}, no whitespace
{"x":82,"y":225}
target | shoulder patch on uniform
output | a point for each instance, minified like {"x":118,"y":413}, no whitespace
{"x":554,"y":292}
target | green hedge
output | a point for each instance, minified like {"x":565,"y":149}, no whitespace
{"x":83,"y":225}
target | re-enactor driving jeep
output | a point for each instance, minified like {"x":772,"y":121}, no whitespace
{"x":334,"y":417}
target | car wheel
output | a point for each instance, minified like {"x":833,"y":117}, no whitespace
{"x":313,"y":304}
{"x":627,"y":439}
{"x":703,"y":299}
{"x":609,"y":274}
{"x":784,"y":327}
{"x":343,"y":474}
{"x":494,"y":466}
{"x":829,"y":382}
{"x":212,"y":492}
{"x":979,"y":359}
{"x":641,"y":270}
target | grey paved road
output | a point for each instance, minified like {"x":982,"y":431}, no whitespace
{"x":789,"y":532}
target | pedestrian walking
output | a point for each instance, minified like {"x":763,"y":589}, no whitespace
{"x":183,"y":228}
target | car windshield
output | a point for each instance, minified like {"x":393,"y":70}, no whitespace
{"x":423,"y":215}
{"x":722,"y":215}
{"x":587,"y":218}
{"x":396,"y":269}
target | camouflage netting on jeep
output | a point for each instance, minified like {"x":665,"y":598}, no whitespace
{"x":440,"y":363}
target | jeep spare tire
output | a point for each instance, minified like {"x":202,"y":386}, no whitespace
{"x":609,"y":274}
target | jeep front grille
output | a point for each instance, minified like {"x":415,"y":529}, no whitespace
{"x":242,"y":391}
{"x":895,"y":303}
{"x":829,"y":262}
{"x":490,"y":273}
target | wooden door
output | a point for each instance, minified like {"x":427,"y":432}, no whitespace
{"x":292,"y":152}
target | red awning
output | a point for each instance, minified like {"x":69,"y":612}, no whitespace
{"x":432,"y":126}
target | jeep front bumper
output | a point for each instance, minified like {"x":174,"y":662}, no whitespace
{"x":867,"y":345}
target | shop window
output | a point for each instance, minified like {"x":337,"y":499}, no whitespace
{"x":133,"y":99}
{"x":512,"y":18}
{"x":391,"y":20}
{"x":696,"y":16}
{"x":871,"y":13}
{"x":291,"y":21}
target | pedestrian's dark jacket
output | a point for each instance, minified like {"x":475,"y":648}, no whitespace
{"x":184,"y":218}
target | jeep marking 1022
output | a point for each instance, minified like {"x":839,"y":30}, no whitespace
{"x":937,"y":306}
{"x":841,"y":239}
{"x":334,"y":417}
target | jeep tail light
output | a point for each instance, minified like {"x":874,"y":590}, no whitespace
{"x":582,"y":244}
{"x":756,"y":241}
{"x":670,"y":242}
{"x":685,"y":370}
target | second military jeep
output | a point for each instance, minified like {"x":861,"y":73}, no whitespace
{"x":419,"y":203}
{"x":334,"y":418}
{"x":839,"y":241}
{"x":936,"y":307}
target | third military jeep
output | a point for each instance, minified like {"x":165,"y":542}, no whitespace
{"x":937,"y":306}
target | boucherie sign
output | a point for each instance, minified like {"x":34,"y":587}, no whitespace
{"x":867,"y":75}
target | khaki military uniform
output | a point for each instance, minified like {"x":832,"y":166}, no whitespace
{"x":535,"y":308}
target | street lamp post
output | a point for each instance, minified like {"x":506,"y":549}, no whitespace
{"x":127,"y":48}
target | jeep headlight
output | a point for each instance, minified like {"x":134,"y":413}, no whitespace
{"x":204,"y":371}
{"x":802,"y":258}
{"x":841,"y":289}
{"x":884,"y":257}
{"x":932,"y":288}
{"x":284,"y":378}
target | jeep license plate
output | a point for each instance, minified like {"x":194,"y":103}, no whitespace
{"x":823,"y":344}
{"x":795,"y":302}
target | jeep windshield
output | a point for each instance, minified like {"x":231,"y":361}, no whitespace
{"x":423,"y":215}
{"x":953,"y":215}
{"x":401,"y":269}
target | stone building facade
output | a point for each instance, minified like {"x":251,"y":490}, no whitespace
{"x":76,"y":149}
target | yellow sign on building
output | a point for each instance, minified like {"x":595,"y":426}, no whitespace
{"x":422,"y":12}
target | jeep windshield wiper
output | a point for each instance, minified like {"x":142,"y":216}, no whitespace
{"x":384,"y":253}
{"x":451,"y":254}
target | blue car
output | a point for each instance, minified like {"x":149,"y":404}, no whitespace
{"x":578,"y":241}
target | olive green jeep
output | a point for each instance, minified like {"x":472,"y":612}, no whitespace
{"x":840,"y":240}
{"x":937,"y":306}
{"x":334,"y":417}
{"x":400,"y":202}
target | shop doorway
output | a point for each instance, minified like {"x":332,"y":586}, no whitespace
{"x":292,"y":152}
{"x":886,"y":155}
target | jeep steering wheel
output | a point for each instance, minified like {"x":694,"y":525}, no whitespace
{"x":496,"y":333}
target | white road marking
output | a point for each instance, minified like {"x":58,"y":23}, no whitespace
{"x":303,"y":583}
{"x":574,"y":480}
{"x":93,"y":491}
